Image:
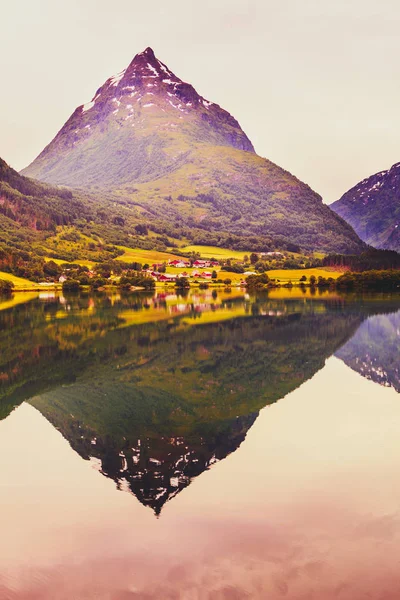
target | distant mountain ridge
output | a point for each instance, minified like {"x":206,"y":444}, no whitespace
{"x":372,"y":208}
{"x":157,"y":146}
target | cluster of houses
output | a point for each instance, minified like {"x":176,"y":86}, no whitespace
{"x":198,"y":269}
{"x":272,"y":255}
{"x":172,"y":277}
{"x":197,"y":265}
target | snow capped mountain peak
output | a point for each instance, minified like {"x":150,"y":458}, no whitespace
{"x":146,"y":99}
{"x":372,"y":208}
{"x":147,"y":76}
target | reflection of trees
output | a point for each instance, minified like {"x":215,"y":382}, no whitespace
{"x":158,"y":403}
{"x":166,"y":402}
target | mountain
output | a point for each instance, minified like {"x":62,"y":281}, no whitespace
{"x":38,"y":220}
{"x":33,"y":204}
{"x":372,"y":207}
{"x":155,"y":145}
{"x":31,"y":211}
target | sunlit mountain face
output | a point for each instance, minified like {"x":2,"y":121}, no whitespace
{"x":167,"y":154}
{"x":156,"y":390}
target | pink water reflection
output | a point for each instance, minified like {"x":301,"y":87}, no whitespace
{"x":306,"y":508}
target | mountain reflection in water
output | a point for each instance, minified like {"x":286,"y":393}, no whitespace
{"x":156,"y":389}
{"x":374,"y":350}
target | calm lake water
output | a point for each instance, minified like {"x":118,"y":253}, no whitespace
{"x":215,"y":446}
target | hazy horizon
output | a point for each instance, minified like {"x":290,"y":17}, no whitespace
{"x":312,"y":84}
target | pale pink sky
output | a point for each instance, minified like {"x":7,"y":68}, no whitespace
{"x":314,"y":83}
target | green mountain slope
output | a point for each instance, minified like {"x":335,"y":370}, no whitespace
{"x":151,"y":142}
{"x":30,"y":214}
{"x":36,"y":205}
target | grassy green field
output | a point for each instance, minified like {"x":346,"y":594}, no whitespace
{"x":285,"y":275}
{"x":85,"y":263}
{"x":215,"y":252}
{"x":20,"y":282}
{"x":145,"y":256}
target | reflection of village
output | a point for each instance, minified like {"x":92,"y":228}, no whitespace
{"x":167,"y":304}
{"x":176,"y":305}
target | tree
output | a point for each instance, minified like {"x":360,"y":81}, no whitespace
{"x":51,"y":269}
{"x":260,"y":266}
{"x":103,"y":270}
{"x":137,"y":280}
{"x":257,"y":281}
{"x":303,"y":278}
{"x":214,"y":275}
{"x":322,"y":282}
{"x":227,"y":281}
{"x":71,"y":285}
{"x":182,"y":283}
{"x":312,"y":280}
{"x":141,"y":229}
{"x":84,"y":280}
{"x":253,"y":258}
{"x":6,"y":287}
{"x":97,"y":282}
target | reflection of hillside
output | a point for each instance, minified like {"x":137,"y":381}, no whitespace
{"x":164,"y":401}
{"x":156,"y":403}
{"x":40,"y":347}
{"x":374,"y":350}
{"x":46,"y":343}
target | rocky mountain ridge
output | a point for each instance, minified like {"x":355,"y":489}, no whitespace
{"x":372,"y":208}
{"x":147,"y":91}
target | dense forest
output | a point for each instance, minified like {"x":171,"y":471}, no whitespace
{"x":371,"y":259}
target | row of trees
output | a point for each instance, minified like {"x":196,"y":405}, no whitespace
{"x":372,"y":259}
{"x":387,"y":280}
